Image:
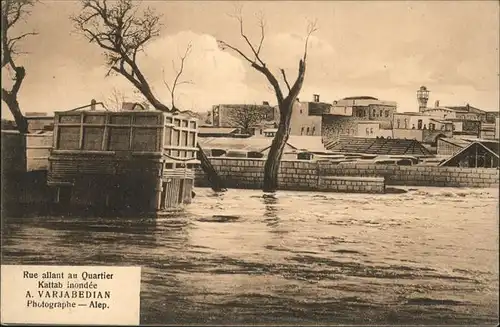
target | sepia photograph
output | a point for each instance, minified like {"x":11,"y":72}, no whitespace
{"x":250,"y":162}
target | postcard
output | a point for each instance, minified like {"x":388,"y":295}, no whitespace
{"x":255,"y":162}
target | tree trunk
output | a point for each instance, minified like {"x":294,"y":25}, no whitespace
{"x":214,"y":179}
{"x":11,"y":101}
{"x":273,"y":161}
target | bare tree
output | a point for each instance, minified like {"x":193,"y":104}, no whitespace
{"x":245,"y":117}
{"x":115,"y":100}
{"x":12,"y":12}
{"x":122,"y":32}
{"x":172,"y":86}
{"x":285,"y":102}
{"x":117,"y":97}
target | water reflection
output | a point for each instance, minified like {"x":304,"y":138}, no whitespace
{"x":271,"y":210}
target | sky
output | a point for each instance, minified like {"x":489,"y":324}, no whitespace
{"x":385,"y":49}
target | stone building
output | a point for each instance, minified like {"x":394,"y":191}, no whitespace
{"x":421,"y":127}
{"x":229,"y":115}
{"x":306,"y":117}
{"x":335,"y":126}
{"x":467,"y":120}
{"x":365,"y":108}
{"x":361,"y":116}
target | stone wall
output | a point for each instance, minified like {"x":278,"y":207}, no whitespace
{"x":307,"y":175}
{"x":249,"y":173}
{"x":417,"y":175}
{"x":351,"y":184}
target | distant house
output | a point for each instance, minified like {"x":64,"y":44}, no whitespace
{"x":237,"y":115}
{"x":488,"y":131}
{"x":478,"y":154}
{"x":466,"y":112}
{"x":306,"y":116}
{"x":469,"y":112}
{"x":361,"y":116}
{"x":365,"y":108}
{"x":377,"y":146}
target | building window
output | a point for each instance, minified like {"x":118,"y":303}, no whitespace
{"x":313,"y":130}
{"x":307,"y":133}
{"x":387,"y":113}
{"x":301,"y":111}
{"x":371,"y":131}
{"x":419,"y":124}
{"x":406,"y":123}
{"x":302,"y":131}
{"x":398,"y":122}
{"x":367,"y":131}
{"x":380,"y":113}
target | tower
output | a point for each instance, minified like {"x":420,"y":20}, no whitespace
{"x":422,"y":97}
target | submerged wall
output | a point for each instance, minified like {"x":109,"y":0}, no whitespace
{"x":304,"y":175}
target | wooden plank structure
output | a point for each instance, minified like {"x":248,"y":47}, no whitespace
{"x":127,"y":161}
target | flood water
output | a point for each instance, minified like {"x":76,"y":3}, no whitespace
{"x":429,"y":256}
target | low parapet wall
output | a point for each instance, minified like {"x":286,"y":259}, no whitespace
{"x":417,"y":175}
{"x":249,"y":173}
{"x":305,"y":175}
{"x":351,"y":184}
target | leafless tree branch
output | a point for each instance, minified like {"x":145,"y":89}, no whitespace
{"x":171,"y":87}
{"x":122,"y":32}
{"x":284,"y":78}
{"x":115,"y":100}
{"x":12,"y":12}
{"x":256,"y":52}
{"x":311,"y":28}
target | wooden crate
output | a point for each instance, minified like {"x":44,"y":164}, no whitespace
{"x":126,"y":145}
